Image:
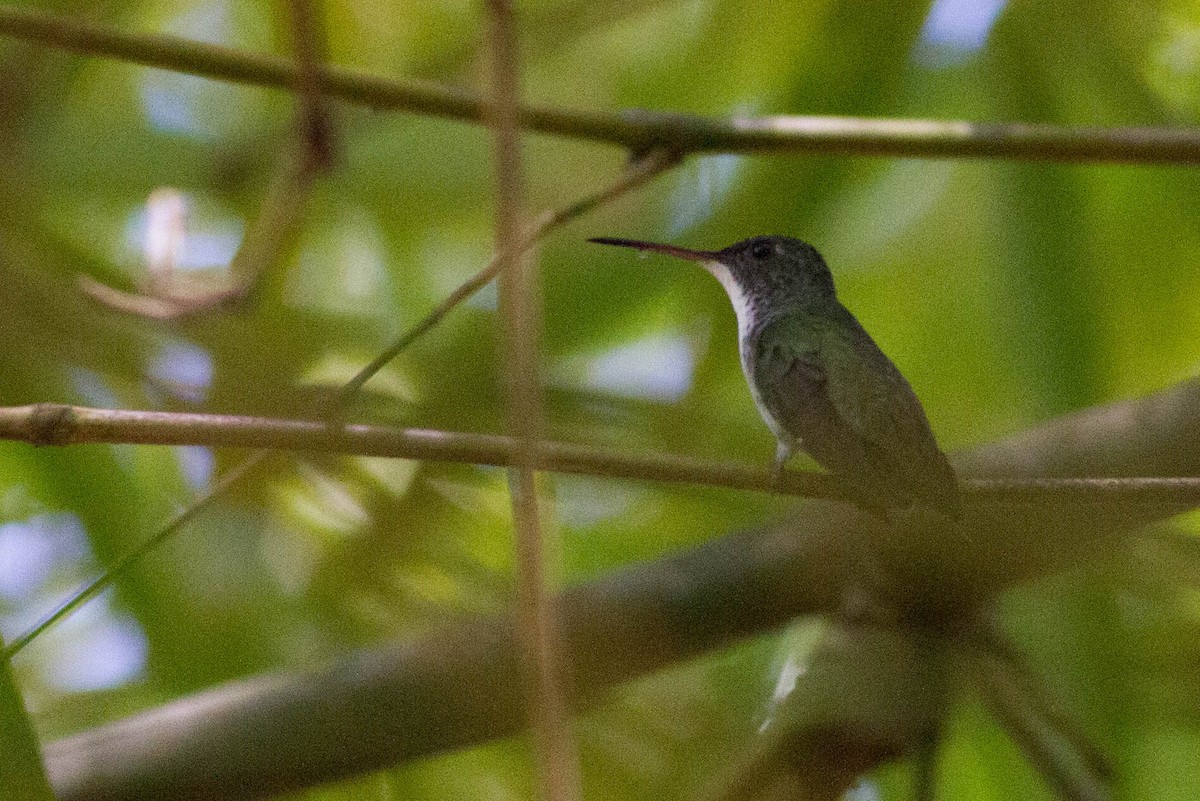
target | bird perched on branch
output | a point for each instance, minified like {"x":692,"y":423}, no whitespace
{"x":818,"y":379}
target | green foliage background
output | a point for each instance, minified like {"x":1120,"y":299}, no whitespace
{"x":1007,"y":292}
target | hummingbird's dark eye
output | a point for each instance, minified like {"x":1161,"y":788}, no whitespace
{"x":762,"y":250}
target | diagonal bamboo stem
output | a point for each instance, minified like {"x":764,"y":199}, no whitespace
{"x":131,"y":558}
{"x":640,"y":172}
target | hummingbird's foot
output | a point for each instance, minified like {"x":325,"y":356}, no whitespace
{"x":782,"y":452}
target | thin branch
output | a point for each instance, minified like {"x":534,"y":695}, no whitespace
{"x":1155,"y":491}
{"x":556,"y":758}
{"x":925,"y":762}
{"x":639,"y":173}
{"x":634,"y":130}
{"x":56,"y":424}
{"x":129,"y":559}
{"x":59,"y":424}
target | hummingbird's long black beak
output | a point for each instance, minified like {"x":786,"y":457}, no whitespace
{"x":654,"y":247}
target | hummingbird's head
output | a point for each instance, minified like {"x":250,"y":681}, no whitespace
{"x":774,"y":266}
{"x":763,"y":272}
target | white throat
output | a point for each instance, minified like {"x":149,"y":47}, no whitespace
{"x":741,"y":304}
{"x":745,"y":320}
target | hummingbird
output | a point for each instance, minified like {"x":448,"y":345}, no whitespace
{"x":819,"y":381}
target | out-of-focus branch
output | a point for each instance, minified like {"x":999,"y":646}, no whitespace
{"x":556,"y":758}
{"x":309,"y":42}
{"x":266,"y":240}
{"x":1152,"y":436}
{"x":1069,"y":770}
{"x":636,"y":130}
{"x":992,"y":653}
{"x":458,"y":685}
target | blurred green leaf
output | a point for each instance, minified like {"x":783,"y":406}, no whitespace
{"x":21,"y":773}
